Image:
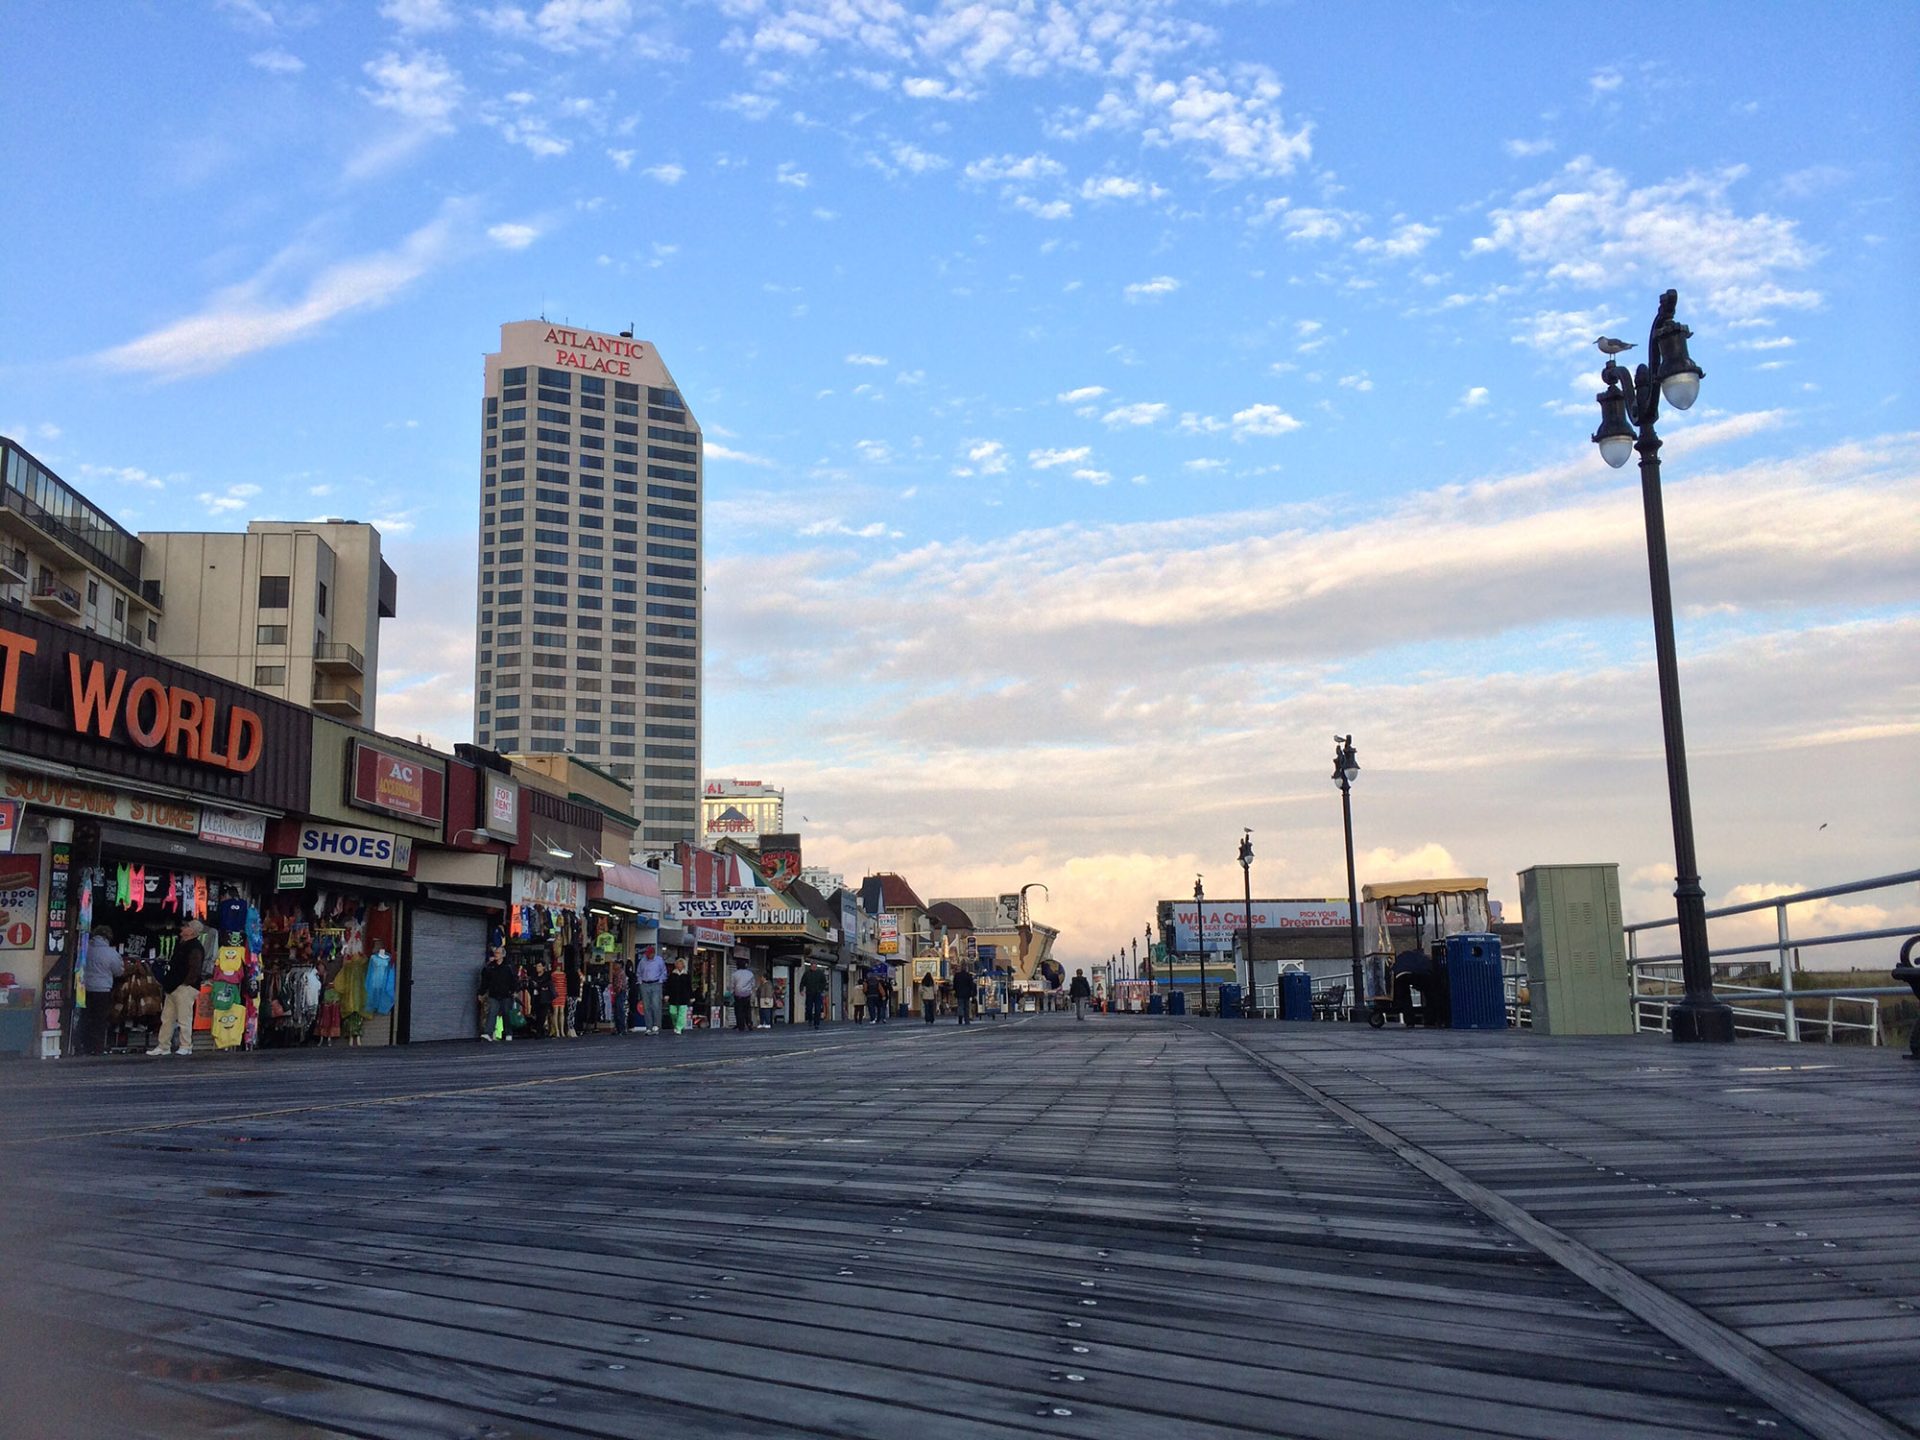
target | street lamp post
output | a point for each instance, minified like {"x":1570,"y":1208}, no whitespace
{"x":1346,"y":769}
{"x":1200,"y":936}
{"x":1246,"y":876}
{"x":1153,"y":980}
{"x":1628,"y":409}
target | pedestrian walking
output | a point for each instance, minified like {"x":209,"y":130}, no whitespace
{"x":618,"y":999}
{"x":103,"y":967}
{"x":1080,"y":992}
{"x":876,"y":996}
{"x":653,"y":989}
{"x":183,"y":990}
{"x":498,"y":988}
{"x":964,"y":989}
{"x":763,"y":1001}
{"x":929,"y":988}
{"x":743,"y":986}
{"x":857,"y":999}
{"x":679,"y":996}
{"x":813,"y":989}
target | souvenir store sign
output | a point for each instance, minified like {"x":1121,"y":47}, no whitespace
{"x":396,"y":783}
{"x":554,"y":892}
{"x":102,"y":804}
{"x":714,"y":908}
{"x":80,"y":699}
{"x":370,"y":849}
{"x":19,"y":901}
{"x":239,"y":832}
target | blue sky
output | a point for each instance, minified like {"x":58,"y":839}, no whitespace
{"x":1107,"y":402}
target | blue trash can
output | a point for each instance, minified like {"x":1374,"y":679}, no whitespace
{"x":1476,"y":985}
{"x":1296,"y":995}
{"x":1155,"y":1005}
{"x":1230,"y":1006}
{"x":1177,"y":1003}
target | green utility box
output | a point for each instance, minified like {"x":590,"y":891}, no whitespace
{"x":1577,"y":977}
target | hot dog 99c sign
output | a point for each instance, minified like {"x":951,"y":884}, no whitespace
{"x":394,"y":782}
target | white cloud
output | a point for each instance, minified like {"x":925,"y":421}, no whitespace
{"x":1528,"y":149}
{"x":1360,"y":382}
{"x":513,"y":235}
{"x":750,"y":106}
{"x":858,"y":358}
{"x":1204,"y":464}
{"x":1405,"y":242}
{"x":1118,"y":187}
{"x":1044,"y":210}
{"x":234,"y":497}
{"x":666,"y":174}
{"x":905,"y":157}
{"x":124,"y":474}
{"x":1605,"y":82}
{"x":1587,"y":227}
{"x":1193,"y":423}
{"x":1094,"y":477}
{"x":277,"y":62}
{"x":421,"y":88}
{"x":791,"y":174}
{"x":1141,"y":412}
{"x":714,"y":450}
{"x":1152,"y":289}
{"x":568,"y":26}
{"x":1020,"y":168}
{"x":622,"y":159}
{"x":1769,"y":342}
{"x":1054,"y":459}
{"x":246,"y":318}
{"x":1231,"y":121}
{"x":414,"y":17}
{"x":1082,"y":395}
{"x":1553,"y":332}
{"x":988,"y":457}
{"x":1306,"y":224}
{"x":1262,"y":420}
{"x":927,"y":87}
{"x":1474,"y":398}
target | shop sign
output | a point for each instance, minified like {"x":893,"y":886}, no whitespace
{"x":226,"y":827}
{"x":888,"y":935}
{"x":19,"y":901}
{"x":290,"y":875}
{"x":721,"y":908}
{"x":1226,"y":918}
{"x":500,"y":806}
{"x":57,"y":897}
{"x":555,"y":892}
{"x":396,"y":783}
{"x":374,"y":849}
{"x":12,"y":812}
{"x":100,"y":803}
{"x":111,"y":704}
{"x":780,"y":859}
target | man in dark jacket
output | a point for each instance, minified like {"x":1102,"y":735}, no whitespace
{"x":498,"y":986}
{"x":964,"y":989}
{"x":813,"y":986}
{"x":1080,"y":992}
{"x":182,"y":984}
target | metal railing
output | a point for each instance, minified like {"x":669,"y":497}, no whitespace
{"x":1773,"y":1010}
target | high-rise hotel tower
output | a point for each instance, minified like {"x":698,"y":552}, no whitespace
{"x":590,"y":566}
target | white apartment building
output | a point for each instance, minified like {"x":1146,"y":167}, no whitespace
{"x":290,"y":607}
{"x":741,"y":810}
{"x":590,"y":605}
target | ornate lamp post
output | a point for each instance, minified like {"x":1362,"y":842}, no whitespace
{"x":1246,"y":875}
{"x":1153,"y":982}
{"x":1628,"y":408}
{"x":1200,"y":936}
{"x":1346,"y":770}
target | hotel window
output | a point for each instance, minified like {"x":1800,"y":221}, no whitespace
{"x":323,"y":598}
{"x":276,"y":591}
{"x":269,"y":674}
{"x":119,"y":609}
{"x":517,"y":375}
{"x":270,"y":635}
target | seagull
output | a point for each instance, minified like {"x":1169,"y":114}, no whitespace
{"x":1608,"y":346}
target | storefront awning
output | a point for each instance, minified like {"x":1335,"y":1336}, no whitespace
{"x":628,"y":885}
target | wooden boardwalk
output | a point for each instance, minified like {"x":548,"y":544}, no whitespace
{"x":1124,"y":1228}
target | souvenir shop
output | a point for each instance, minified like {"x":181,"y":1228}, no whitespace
{"x":141,"y":889}
{"x":329,"y":974}
{"x":143,"y":790}
{"x":564,"y":952}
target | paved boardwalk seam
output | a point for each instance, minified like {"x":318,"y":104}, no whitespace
{"x":1824,"y":1410}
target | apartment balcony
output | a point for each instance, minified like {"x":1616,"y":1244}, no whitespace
{"x":14,"y":565}
{"x":336,"y":697}
{"x":54,"y":596}
{"x":148,"y":595}
{"x":336,"y":657}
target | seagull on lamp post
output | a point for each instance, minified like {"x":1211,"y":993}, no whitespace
{"x":1611,"y":347}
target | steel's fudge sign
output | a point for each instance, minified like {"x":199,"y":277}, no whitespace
{"x":72,"y":697}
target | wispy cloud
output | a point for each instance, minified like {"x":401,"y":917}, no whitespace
{"x":246,"y":318}
{"x":1152,"y":289}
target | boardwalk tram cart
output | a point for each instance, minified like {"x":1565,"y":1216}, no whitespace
{"x":1408,"y":978}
